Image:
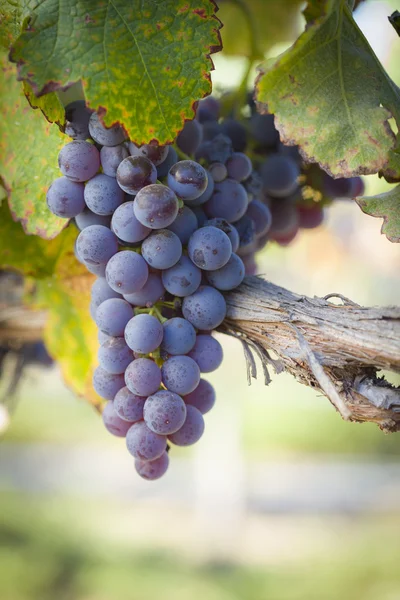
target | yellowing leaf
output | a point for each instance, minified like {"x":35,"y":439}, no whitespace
{"x":386,"y":206}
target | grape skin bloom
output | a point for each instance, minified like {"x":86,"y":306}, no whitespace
{"x":164,"y":412}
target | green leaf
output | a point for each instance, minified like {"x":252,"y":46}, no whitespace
{"x":28,"y":157}
{"x":332,"y":97}
{"x":62,"y":287}
{"x":386,"y":206}
{"x":252,"y":27}
{"x":49,"y":104}
{"x":11,"y":16}
{"x":143,"y":64}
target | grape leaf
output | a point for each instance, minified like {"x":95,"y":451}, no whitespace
{"x":386,"y":206}
{"x":11,"y":17}
{"x":143,"y":64}
{"x":28,"y":157}
{"x":332,"y":97}
{"x":252,"y":27}
{"x":62,"y":287}
{"x":49,"y":104}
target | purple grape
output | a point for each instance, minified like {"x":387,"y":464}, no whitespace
{"x":239,"y":166}
{"x":310,"y":216}
{"x":208,"y":109}
{"x":156,"y":206}
{"x":202,"y":398}
{"x":206,"y":195}
{"x":184,"y":225}
{"x":180,"y":374}
{"x":105,"y":384}
{"x":253,"y":186}
{"x":152,"y":291}
{"x":200,"y":215}
{"x":219,"y":149}
{"x":189,"y":138}
{"x":192,"y":429}
{"x":162,"y":249}
{"x":218,"y":171}
{"x":179,"y":336}
{"x":103,"y":194}
{"x":98,"y":270}
{"x":157,"y":154}
{"x":101,"y":291}
{"x":228,"y":277}
{"x":261,"y":215}
{"x":77,"y":117}
{"x":106,"y":136}
{"x":229,"y":201}
{"x":143,"y":377}
{"x":164,"y":167}
{"x":126,"y":226}
{"x":96,"y":244}
{"x":113,"y":423}
{"x":210,"y":130}
{"x":128,"y":406}
{"x":164,"y":412}
{"x":114,"y":356}
{"x":111,"y":157}
{"x":65,"y":198}
{"x":285,"y":219}
{"x":87,"y":218}
{"x":279,"y":174}
{"x":144,"y":333}
{"x":112,"y":316}
{"x":227,"y":228}
{"x":187,"y":179}
{"x":207,"y":353}
{"x":209,"y":248}
{"x":246,"y":229}
{"x":126,"y":272}
{"x":103,"y":337}
{"x":205,"y":308}
{"x":134,"y":173}
{"x":79,"y":160}
{"x":143,"y":443}
{"x":182,"y":279}
{"x":236,"y":132}
{"x":152,"y":469}
{"x":263,"y":130}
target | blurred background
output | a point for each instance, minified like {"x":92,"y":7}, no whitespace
{"x":280,"y":499}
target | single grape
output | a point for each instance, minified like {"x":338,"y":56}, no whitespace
{"x":200,"y":215}
{"x":152,"y":291}
{"x":105,"y":384}
{"x":134,"y":173}
{"x":101,"y":291}
{"x":192,"y":429}
{"x":228,"y":277}
{"x":103,"y":195}
{"x":187,"y":179}
{"x":246,"y":229}
{"x":357,"y":187}
{"x":202,"y":398}
{"x":310,"y":216}
{"x":180,"y":374}
{"x":162,"y":249}
{"x":184,"y":225}
{"x":209,"y":248}
{"x":207,"y":353}
{"x":261,"y":215}
{"x":87,"y":218}
{"x":164,"y":412}
{"x":164,"y":167}
{"x":206,"y":195}
{"x":182,"y":279}
{"x":77,"y":117}
{"x":179,"y":336}
{"x":205,"y":308}
{"x":157,"y":154}
{"x":143,"y":377}
{"x":236,"y":132}
{"x":143,"y":443}
{"x":79,"y":160}
{"x":65,"y":198}
{"x":280,"y":174}
{"x":156,"y":206}
{"x":112,"y":316}
{"x":96,"y":244}
{"x":128,"y":406}
{"x":126,"y":226}
{"x":239,"y":166}
{"x":227,"y":228}
{"x":144,"y":333}
{"x":106,"y":136}
{"x":263,"y":130}
{"x":111,"y":157}
{"x":114,"y":356}
{"x":152,"y":469}
{"x":218,"y":171}
{"x":229,"y":201}
{"x":189,"y":138}
{"x":208,"y":109}
{"x":112,"y":421}
{"x":285,"y":220}
{"x":219,"y":149}
{"x":126,"y":272}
